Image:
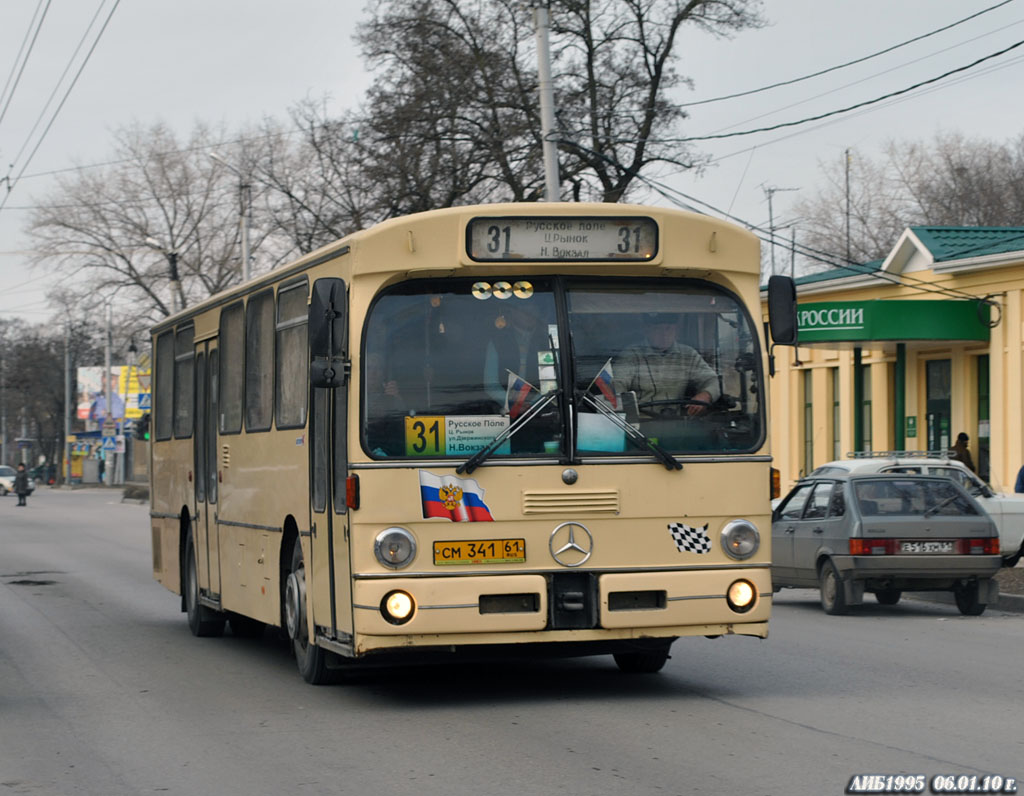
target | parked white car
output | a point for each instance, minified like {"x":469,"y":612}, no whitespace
{"x":1006,"y":510}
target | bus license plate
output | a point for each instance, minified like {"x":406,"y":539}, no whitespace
{"x":926,"y":547}
{"x":487,"y":551}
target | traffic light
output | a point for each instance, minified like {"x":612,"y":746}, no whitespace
{"x":142,"y":427}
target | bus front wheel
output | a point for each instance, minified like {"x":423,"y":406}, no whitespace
{"x":311,"y":659}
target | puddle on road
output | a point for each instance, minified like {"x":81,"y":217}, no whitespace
{"x":23,"y":579}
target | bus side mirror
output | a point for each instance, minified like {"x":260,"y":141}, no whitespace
{"x":782,"y":310}
{"x":327,"y":330}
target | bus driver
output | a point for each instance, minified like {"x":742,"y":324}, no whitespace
{"x":664,"y":373}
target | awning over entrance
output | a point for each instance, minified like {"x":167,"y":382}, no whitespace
{"x":896,"y":320}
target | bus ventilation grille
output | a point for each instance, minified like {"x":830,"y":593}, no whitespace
{"x":597,"y":501}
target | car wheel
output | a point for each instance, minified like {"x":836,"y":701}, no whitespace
{"x":202,"y":621}
{"x":967,"y":599}
{"x":3,"y":491}
{"x":833,"y":595}
{"x":311,"y":659}
{"x":1012,"y":560}
{"x":888,"y":596}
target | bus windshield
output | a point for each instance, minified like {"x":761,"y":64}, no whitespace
{"x":449,"y":364}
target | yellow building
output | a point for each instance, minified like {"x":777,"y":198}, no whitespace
{"x":907,"y":352}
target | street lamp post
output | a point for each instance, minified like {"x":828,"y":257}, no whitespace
{"x":245,"y":190}
{"x":172,"y":266}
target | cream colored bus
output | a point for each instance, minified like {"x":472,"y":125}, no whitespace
{"x":479,"y":431}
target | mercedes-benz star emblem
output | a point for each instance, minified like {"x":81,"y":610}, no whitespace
{"x":571,"y":544}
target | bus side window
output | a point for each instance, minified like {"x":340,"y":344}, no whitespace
{"x":259,"y":361}
{"x":163,"y":410}
{"x":184,"y":378}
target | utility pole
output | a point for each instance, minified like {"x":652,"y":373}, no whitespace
{"x":770,"y":192}
{"x":66,"y":469}
{"x":547,"y":104}
{"x":108,"y":471}
{"x":848,"y":206}
{"x":245,"y":220}
{"x":3,"y":408}
{"x":177,"y":296}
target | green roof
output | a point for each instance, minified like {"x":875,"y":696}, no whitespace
{"x":957,"y":243}
{"x":841,"y":272}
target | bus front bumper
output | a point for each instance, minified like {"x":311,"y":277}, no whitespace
{"x":523,"y":608}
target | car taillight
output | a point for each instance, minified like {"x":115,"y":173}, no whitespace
{"x":872,"y":547}
{"x":989,"y":546}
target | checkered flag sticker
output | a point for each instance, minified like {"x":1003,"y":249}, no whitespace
{"x":690,"y":540}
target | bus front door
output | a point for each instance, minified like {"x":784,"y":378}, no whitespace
{"x":332,"y":583}
{"x":207,"y":542}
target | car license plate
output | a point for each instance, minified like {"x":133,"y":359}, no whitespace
{"x":926,"y":547}
{"x":486,"y":551}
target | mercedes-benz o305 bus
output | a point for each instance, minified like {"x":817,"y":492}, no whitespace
{"x":486,"y":430}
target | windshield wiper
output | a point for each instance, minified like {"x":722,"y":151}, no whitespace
{"x":478,"y":458}
{"x":670,"y":461}
{"x":940,"y":505}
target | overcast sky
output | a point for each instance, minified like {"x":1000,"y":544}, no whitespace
{"x":233,"y":62}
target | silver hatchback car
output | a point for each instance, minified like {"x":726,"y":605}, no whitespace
{"x":885,"y":534}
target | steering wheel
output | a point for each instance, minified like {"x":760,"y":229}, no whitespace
{"x":680,"y":402}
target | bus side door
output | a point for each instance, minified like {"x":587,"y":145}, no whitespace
{"x":207,"y":539}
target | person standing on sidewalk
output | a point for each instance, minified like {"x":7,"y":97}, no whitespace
{"x":21,"y":484}
{"x":961,"y":452}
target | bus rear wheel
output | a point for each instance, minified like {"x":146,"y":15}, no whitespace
{"x":202,"y":621}
{"x":311,"y":659}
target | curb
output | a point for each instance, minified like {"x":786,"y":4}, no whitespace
{"x":1010,"y":603}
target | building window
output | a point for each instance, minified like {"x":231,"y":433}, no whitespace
{"x":808,"y":421}
{"x":184,"y":371}
{"x":259,"y":362}
{"x":292,"y":357}
{"x":232,"y":368}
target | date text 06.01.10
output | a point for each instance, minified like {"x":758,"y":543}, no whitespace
{"x":939,"y":783}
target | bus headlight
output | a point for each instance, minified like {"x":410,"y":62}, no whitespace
{"x":741,"y":596}
{"x":397,"y":607}
{"x":740,"y":539}
{"x":395,"y":547}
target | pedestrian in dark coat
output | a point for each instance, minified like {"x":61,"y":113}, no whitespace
{"x":21,"y":484}
{"x":961,"y":452}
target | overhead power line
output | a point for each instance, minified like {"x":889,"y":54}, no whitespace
{"x":20,"y":70}
{"x":849,"y":108}
{"x":57,"y":110}
{"x":837,"y":67}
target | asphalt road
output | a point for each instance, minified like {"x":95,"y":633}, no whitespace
{"x":104,"y":691}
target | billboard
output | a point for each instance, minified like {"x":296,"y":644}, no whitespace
{"x":130,"y":397}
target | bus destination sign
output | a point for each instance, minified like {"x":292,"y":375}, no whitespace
{"x":562,"y":238}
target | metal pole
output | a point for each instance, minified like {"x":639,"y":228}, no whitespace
{"x":177,"y":303}
{"x":108,"y":475}
{"x":246,"y":212}
{"x":547,"y":105}
{"x":66,"y":470}
{"x":3,"y":409}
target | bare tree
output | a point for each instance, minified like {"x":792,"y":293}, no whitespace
{"x":453,"y":115}
{"x":951,"y":181}
{"x":93,"y":227}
